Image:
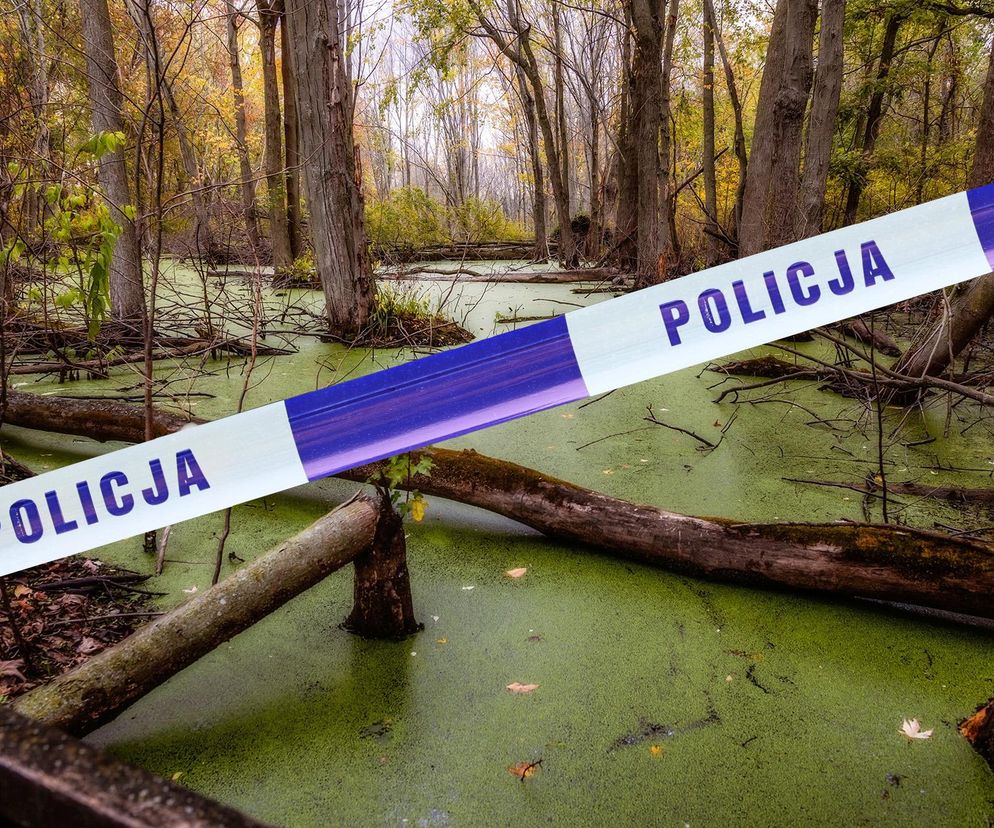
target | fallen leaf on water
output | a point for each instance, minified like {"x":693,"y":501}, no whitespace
{"x":913,"y":730}
{"x":177,"y":776}
{"x":441,"y":641}
{"x":190,"y":591}
{"x":516,"y":573}
{"x":656,"y":750}
{"x":523,"y":770}
{"x":518,"y":687}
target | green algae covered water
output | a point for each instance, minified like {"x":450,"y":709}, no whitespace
{"x":660,"y":700}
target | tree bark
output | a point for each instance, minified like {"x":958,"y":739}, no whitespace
{"x":272,"y":162}
{"x":972,"y":304}
{"x":247,"y":185}
{"x":740,"y":143}
{"x":127,"y":291}
{"x":770,"y":202}
{"x":81,"y":700}
{"x":295,"y":230}
{"x":332,"y":172}
{"x":874,"y":116}
{"x":711,"y":228}
{"x":383,"y":607}
{"x":821,"y":122}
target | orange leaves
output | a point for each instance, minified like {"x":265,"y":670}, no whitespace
{"x":519,"y":688}
{"x":523,"y":770}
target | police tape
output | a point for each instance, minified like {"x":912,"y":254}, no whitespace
{"x":599,"y":348}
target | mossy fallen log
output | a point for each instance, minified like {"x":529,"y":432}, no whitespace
{"x":95,"y":692}
{"x":883,"y":562}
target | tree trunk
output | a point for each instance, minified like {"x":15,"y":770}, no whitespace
{"x":626,"y":212}
{"x":383,"y":607}
{"x":127,"y":291}
{"x":292,"y":143}
{"x":971,"y":305}
{"x":669,"y":242}
{"x":334,"y":191}
{"x":770,"y":203}
{"x":740,"y":144}
{"x":94,"y":693}
{"x":247,"y":186}
{"x":272,"y":162}
{"x":595,"y":234}
{"x":874,"y":117}
{"x":711,"y":229}
{"x":821,"y":123}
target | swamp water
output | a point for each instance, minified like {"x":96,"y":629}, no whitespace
{"x":661,"y":700}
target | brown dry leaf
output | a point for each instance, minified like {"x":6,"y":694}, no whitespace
{"x":516,"y":573}
{"x":21,"y":590}
{"x":12,"y":668}
{"x":518,"y":687}
{"x":523,"y":770}
{"x":656,"y":750}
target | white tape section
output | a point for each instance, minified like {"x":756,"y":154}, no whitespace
{"x":775,"y":294}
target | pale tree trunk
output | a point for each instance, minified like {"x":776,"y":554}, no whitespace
{"x":971,"y":305}
{"x":669,"y":242}
{"x":331,"y":179}
{"x":272,"y":162}
{"x":740,"y":145}
{"x":711,"y":229}
{"x":594,"y":234}
{"x":522,"y":55}
{"x":626,"y":200}
{"x":534,"y":151}
{"x":770,"y":203}
{"x":247,"y":186}
{"x":127,"y":292}
{"x":560,"y":93}
{"x":874,"y":116}
{"x":292,"y":142}
{"x":821,"y":122}
{"x":32,"y":25}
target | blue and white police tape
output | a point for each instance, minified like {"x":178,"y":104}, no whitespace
{"x":645,"y":334}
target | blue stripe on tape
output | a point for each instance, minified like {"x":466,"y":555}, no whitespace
{"x":982,"y":210}
{"x":440,"y":396}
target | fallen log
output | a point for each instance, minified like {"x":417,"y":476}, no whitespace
{"x":83,"y":699}
{"x":878,"y":340}
{"x":885,"y":562}
{"x":49,"y":778}
{"x":534,"y":277}
{"x":855,"y":560}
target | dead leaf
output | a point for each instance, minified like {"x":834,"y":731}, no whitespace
{"x":516,"y":573}
{"x":21,"y":590}
{"x":656,"y":750}
{"x":523,"y":770}
{"x":518,"y":687}
{"x":89,"y":645}
{"x":191,"y":590}
{"x":441,"y":641}
{"x":913,"y":730}
{"x":13,"y":669}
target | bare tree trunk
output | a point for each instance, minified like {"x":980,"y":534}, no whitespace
{"x":32,"y":19}
{"x":560,"y":94}
{"x":710,"y":175}
{"x":279,"y":231}
{"x":740,"y":144}
{"x":594,"y":235}
{"x":646,"y":94}
{"x":971,"y":305}
{"x":334,"y":191}
{"x":668,"y":239}
{"x":626,"y":212}
{"x":247,"y":186}
{"x":127,"y":291}
{"x":292,"y":143}
{"x":768,"y":212}
{"x":874,"y":116}
{"x":821,"y":123}
{"x":522,"y":54}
